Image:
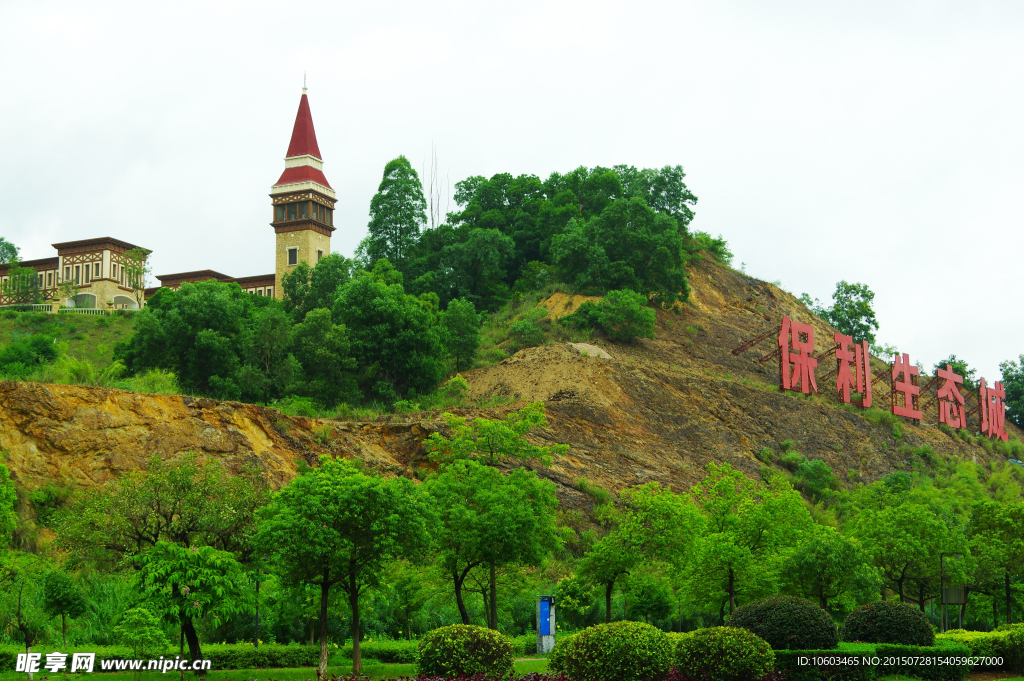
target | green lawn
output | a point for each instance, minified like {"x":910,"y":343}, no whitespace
{"x":88,"y":337}
{"x":374,"y":670}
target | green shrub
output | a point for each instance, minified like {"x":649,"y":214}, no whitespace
{"x":792,"y":460}
{"x":525,"y":334}
{"x":465,"y":650}
{"x":723,"y":654}
{"x":620,"y":651}
{"x":815,"y":479}
{"x":788,"y":623}
{"x":1007,"y":642}
{"x":621,"y":315}
{"x":932,"y":664}
{"x":388,"y":652}
{"x":888,"y":622}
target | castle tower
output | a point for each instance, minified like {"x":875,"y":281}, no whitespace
{"x":303,"y":202}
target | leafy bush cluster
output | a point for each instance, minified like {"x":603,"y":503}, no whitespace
{"x":465,"y":650}
{"x":624,"y":651}
{"x":788,"y":622}
{"x":723,"y":654}
{"x":1006,"y":641}
{"x":888,"y":622}
{"x":621,"y":315}
{"x":388,"y":652}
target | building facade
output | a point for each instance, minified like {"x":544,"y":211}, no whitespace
{"x":302,"y":215}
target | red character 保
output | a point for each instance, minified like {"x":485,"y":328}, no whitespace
{"x":796,"y":343}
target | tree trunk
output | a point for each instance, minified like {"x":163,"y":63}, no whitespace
{"x":459,"y":579}
{"x":823,"y":601}
{"x":194,"y":653}
{"x":353,"y":602}
{"x":325,"y":593}
{"x":732,"y":591}
{"x":608,"y":601}
{"x":920,"y":597}
{"x":1009,"y":613}
{"x":492,"y":616}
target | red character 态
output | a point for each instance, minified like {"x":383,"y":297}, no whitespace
{"x":951,"y":402}
{"x":992,"y":410}
{"x":796,"y":343}
{"x":845,"y":383}
{"x":907,"y":387}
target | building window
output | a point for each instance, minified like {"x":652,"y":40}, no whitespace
{"x":87,"y":270}
{"x":291,"y":211}
{"x":319,"y":255}
{"x":78,"y":274}
{"x":270,"y":291}
{"x":96,"y":270}
{"x":304,"y":209}
{"x":40,"y":280}
{"x":330,"y":215}
{"x":293,"y":256}
{"x":67,"y":273}
{"x":49,"y":279}
{"x":279,"y":213}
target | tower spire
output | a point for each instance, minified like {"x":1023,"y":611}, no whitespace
{"x":303,"y":82}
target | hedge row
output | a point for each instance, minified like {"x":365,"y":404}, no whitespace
{"x":389,"y":652}
{"x":926,"y":665}
{"x":1006,"y":642}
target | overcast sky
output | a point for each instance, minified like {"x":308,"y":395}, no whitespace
{"x":878,"y":142}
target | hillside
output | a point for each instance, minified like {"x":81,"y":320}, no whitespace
{"x":659,"y":410}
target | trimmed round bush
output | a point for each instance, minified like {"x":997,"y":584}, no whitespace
{"x":620,"y":651}
{"x":788,"y":623}
{"x":465,"y":650}
{"x":888,"y":622}
{"x":723,"y":654}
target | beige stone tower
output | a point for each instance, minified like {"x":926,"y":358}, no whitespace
{"x":303,"y":202}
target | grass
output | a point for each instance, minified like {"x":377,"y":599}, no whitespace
{"x":87,"y":337}
{"x":372,"y":669}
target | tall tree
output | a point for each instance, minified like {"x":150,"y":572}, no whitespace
{"x":461,"y":324}
{"x":827,"y":566}
{"x":489,"y":519}
{"x":62,"y":596}
{"x":309,"y":288}
{"x":324,"y":351}
{"x":137,"y":271}
{"x":337,"y":525}
{"x":397,"y":213}
{"x":269,"y":367}
{"x":186,"y":584}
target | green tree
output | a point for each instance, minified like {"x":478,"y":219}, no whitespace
{"x":187,"y":501}
{"x":336,"y":525}
{"x":650,"y":597}
{"x":8,"y":251}
{"x":997,"y":538}
{"x":489,"y":519}
{"x":815,"y":478}
{"x":8,"y":501}
{"x":188,"y":583}
{"x":574,"y":596}
{"x":1013,"y":383}
{"x":62,"y":596}
{"x":851,"y":312}
{"x":397,"y":213}
{"x":479,"y":265}
{"x":21,"y":599}
{"x":748,"y":526}
{"x":269,"y":367}
{"x":324,"y":351}
{"x":826,"y":566}
{"x":961,"y":368}
{"x":461,"y":324}
{"x":490,"y":441}
{"x":628,"y":246}
{"x":140,"y":630}
{"x":394,"y":339}
{"x":622,"y":315}
{"x":137,"y":271}
{"x":306,"y":289}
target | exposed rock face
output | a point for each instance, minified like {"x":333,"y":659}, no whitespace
{"x":659,"y":410}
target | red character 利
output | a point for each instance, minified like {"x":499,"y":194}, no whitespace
{"x":846,"y":382}
{"x":951,"y":403}
{"x":907,"y":387}
{"x":796,"y":343}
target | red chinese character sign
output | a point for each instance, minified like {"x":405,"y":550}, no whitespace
{"x":858,"y":381}
{"x":796,"y":359}
{"x":907,"y":389}
{"x":952,"y":408}
{"x":992,"y":410}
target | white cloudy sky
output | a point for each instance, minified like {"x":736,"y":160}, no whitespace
{"x":878,"y":142}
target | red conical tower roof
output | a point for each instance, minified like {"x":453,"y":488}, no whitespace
{"x":303,"y":135}
{"x":303,"y":144}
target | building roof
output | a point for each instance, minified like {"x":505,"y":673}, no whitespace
{"x":204,"y":274}
{"x":258,"y":280}
{"x":98,"y":241}
{"x":303,"y":135}
{"x":39,"y":264}
{"x":302,"y":174}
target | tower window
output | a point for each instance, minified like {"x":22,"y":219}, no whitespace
{"x":319,"y":255}
{"x":304,"y":209}
{"x":330,"y":214}
{"x":291,"y":211}
{"x":279,"y":213}
{"x":293,"y":256}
